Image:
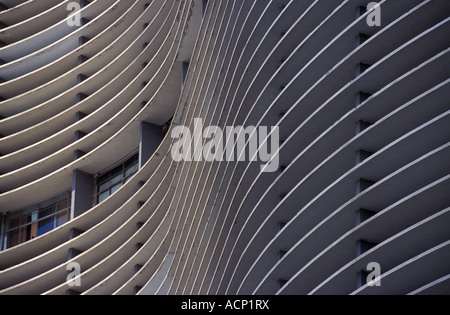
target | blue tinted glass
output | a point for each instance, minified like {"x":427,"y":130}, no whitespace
{"x":45,"y":226}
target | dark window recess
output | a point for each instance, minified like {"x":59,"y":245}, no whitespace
{"x":184,"y":72}
{"x":361,"y":39}
{"x":72,"y":292}
{"x":82,"y":59}
{"x":108,"y":183}
{"x":84,"y":21}
{"x":363,"y":215}
{"x":137,"y":268}
{"x":81,"y":97}
{"x":361,"y":126}
{"x":361,"y":97}
{"x":360,"y":11}
{"x":79,"y":135}
{"x":81,"y":78}
{"x":362,"y":278}
{"x":84,"y":3}
{"x":80,"y":116}
{"x":362,"y":185}
{"x":281,"y":254}
{"x":362,"y":155}
{"x":282,"y":283}
{"x":363,"y":246}
{"x":83,"y":40}
{"x":77,"y":154}
{"x":29,"y":223}
{"x":281,"y":63}
{"x":281,"y":225}
{"x":204,"y":5}
{"x":166,"y":126}
{"x":361,"y":68}
{"x":3,"y":7}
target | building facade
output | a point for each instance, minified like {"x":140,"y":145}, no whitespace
{"x":92,"y":200}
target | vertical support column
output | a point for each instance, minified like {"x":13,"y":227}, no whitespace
{"x":150,"y":138}
{"x":82,"y":190}
{"x":363,"y":246}
{"x":204,"y":5}
{"x":361,"y":68}
{"x":361,"y":39}
{"x":78,"y":135}
{"x":184,"y":74}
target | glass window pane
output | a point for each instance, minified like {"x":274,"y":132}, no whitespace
{"x":104,"y":178}
{"x":118,"y":170}
{"x":131,"y":171}
{"x":46,"y":212}
{"x":115,"y":188}
{"x":62,"y":218}
{"x":103,"y":196}
{"x":134,"y":160}
{"x":13,"y":238}
{"x":45,"y":226}
{"x":25,"y":219}
{"x":13,"y":224}
{"x":23,"y":234}
{"x":46,"y":204}
{"x":64,"y":204}
{"x":28,"y":223}
{"x":116,"y":179}
{"x":110,"y":183}
{"x":104,"y":186}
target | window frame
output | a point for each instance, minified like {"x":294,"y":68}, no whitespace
{"x":29,"y":219}
{"x":118,"y":170}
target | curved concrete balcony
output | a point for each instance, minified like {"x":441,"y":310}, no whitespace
{"x":363,"y":114}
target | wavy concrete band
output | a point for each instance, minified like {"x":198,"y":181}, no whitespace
{"x":88,"y":180}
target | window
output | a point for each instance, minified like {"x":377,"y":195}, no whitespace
{"x":108,"y":183}
{"x":29,"y":223}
